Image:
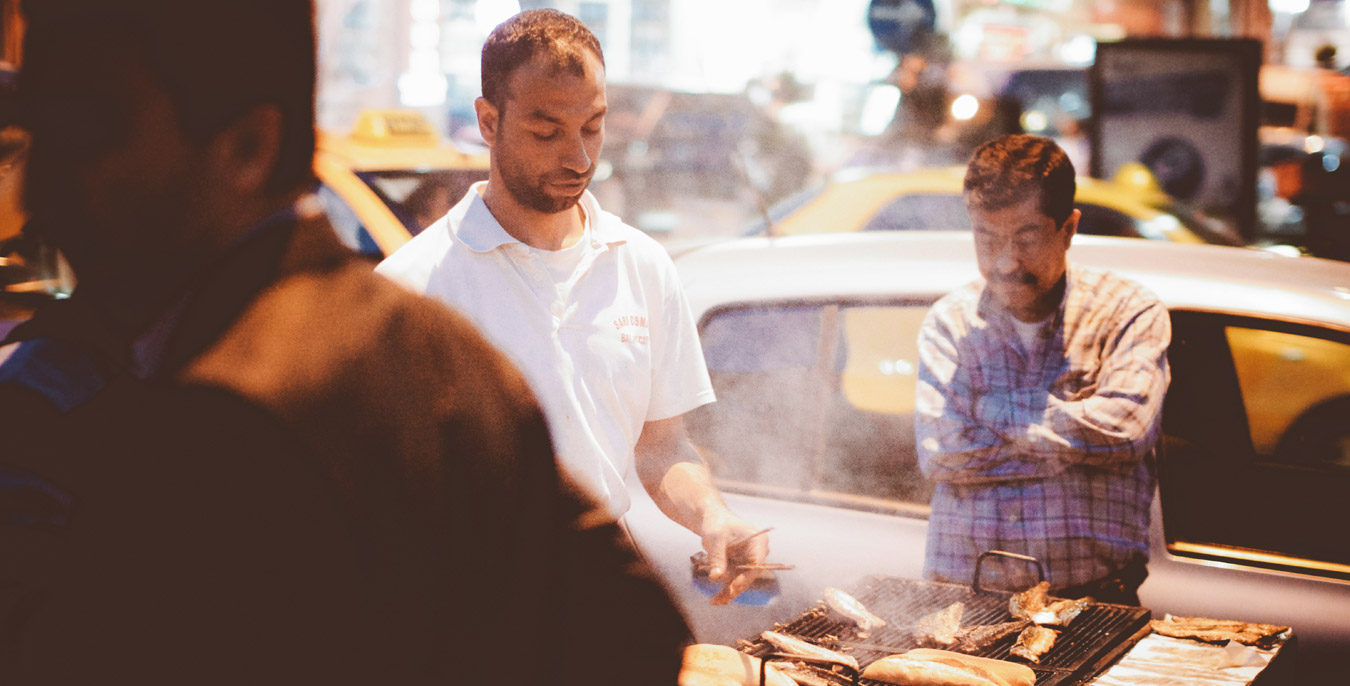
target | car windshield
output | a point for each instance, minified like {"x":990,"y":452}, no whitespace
{"x":419,"y":198}
{"x":783,"y":209}
{"x":1207,"y":228}
{"x":922,"y":212}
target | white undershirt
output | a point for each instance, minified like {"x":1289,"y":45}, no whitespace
{"x":562,"y":264}
{"x":1028,"y":331}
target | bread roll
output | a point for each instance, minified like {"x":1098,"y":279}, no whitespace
{"x":709,"y":664}
{"x":912,"y":671}
{"x":1012,"y":673}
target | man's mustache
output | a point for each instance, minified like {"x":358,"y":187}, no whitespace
{"x":1020,"y":279}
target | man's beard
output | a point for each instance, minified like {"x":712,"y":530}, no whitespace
{"x":532,"y":195}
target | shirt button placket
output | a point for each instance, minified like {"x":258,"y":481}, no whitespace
{"x":1010,"y":506}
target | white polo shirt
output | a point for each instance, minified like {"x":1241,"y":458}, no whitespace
{"x":606,"y":345}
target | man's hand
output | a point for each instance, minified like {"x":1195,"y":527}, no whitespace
{"x":730,"y":543}
{"x":681,"y":486}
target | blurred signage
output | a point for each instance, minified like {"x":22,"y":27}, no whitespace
{"x":1336,"y":114}
{"x":1188,"y":110}
{"x":898,"y":24}
{"x":1047,"y":5}
{"x":1004,"y":43}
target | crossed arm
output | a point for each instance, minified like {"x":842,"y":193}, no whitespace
{"x":968,"y":432}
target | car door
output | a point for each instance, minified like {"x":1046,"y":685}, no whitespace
{"x":1257,"y":431}
{"x":1254,"y":473}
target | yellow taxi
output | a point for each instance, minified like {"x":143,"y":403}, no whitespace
{"x":1130,"y":205}
{"x":389,"y":177}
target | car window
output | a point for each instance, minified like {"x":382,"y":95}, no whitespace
{"x":783,"y":209}
{"x":1104,"y":221}
{"x":815,"y":401}
{"x":419,"y":198}
{"x":345,"y":223}
{"x":1296,"y":393}
{"x":1256,"y":449}
{"x":921,"y":212}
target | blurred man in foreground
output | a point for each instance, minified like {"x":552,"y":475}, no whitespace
{"x":1040,"y":393}
{"x":590,"y":308}
{"x":248,"y":459}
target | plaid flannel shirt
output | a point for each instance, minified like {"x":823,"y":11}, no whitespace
{"x":1045,"y":452}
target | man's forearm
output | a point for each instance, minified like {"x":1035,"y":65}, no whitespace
{"x":674,"y":475}
{"x":1008,"y":461}
{"x":1097,"y":432}
{"x":687,"y":496}
{"x":679,"y":482}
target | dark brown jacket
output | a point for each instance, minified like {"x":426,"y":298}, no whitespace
{"x":332,"y":480}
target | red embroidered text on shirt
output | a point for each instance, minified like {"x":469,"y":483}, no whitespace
{"x":632,"y":321}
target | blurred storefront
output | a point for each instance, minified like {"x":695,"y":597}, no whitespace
{"x":806,"y":86}
{"x":424,"y":53}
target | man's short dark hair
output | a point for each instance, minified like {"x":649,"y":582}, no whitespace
{"x":216,"y":59}
{"x":516,"y":41}
{"x":1004,"y":171}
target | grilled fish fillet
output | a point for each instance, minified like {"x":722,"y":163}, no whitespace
{"x":1026,"y":604}
{"x":849,"y":606}
{"x":939,"y":628}
{"x":796,"y":646}
{"x":1033,"y":642}
{"x":1218,"y":630}
{"x":1034,"y":605}
{"x":973,"y":639}
{"x":1061,"y":612}
{"x":809,"y":675}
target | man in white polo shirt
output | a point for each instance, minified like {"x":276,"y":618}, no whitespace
{"x":589,"y":308}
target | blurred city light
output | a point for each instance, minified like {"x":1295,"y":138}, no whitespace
{"x":489,"y":13}
{"x":965,"y":107}
{"x":1034,"y":121}
{"x":1080,"y":50}
{"x":423,"y":84}
{"x":878,"y":109}
{"x":1288,"y":6}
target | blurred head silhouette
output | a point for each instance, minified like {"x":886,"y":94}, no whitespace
{"x":162,"y":129}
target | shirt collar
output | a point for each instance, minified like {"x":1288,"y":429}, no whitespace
{"x":473,"y":224}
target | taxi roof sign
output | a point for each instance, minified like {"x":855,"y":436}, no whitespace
{"x":394,"y":128}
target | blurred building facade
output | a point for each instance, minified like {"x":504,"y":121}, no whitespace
{"x":822,"y":85}
{"x":424,"y":53}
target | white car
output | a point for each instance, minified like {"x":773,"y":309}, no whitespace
{"x":810,"y":341}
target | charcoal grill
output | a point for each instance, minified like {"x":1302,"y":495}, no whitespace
{"x":1090,"y":643}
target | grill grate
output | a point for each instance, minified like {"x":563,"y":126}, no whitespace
{"x":1091,"y":642}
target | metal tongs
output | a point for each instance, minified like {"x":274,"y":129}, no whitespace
{"x":701,"y":568}
{"x":699,"y":560}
